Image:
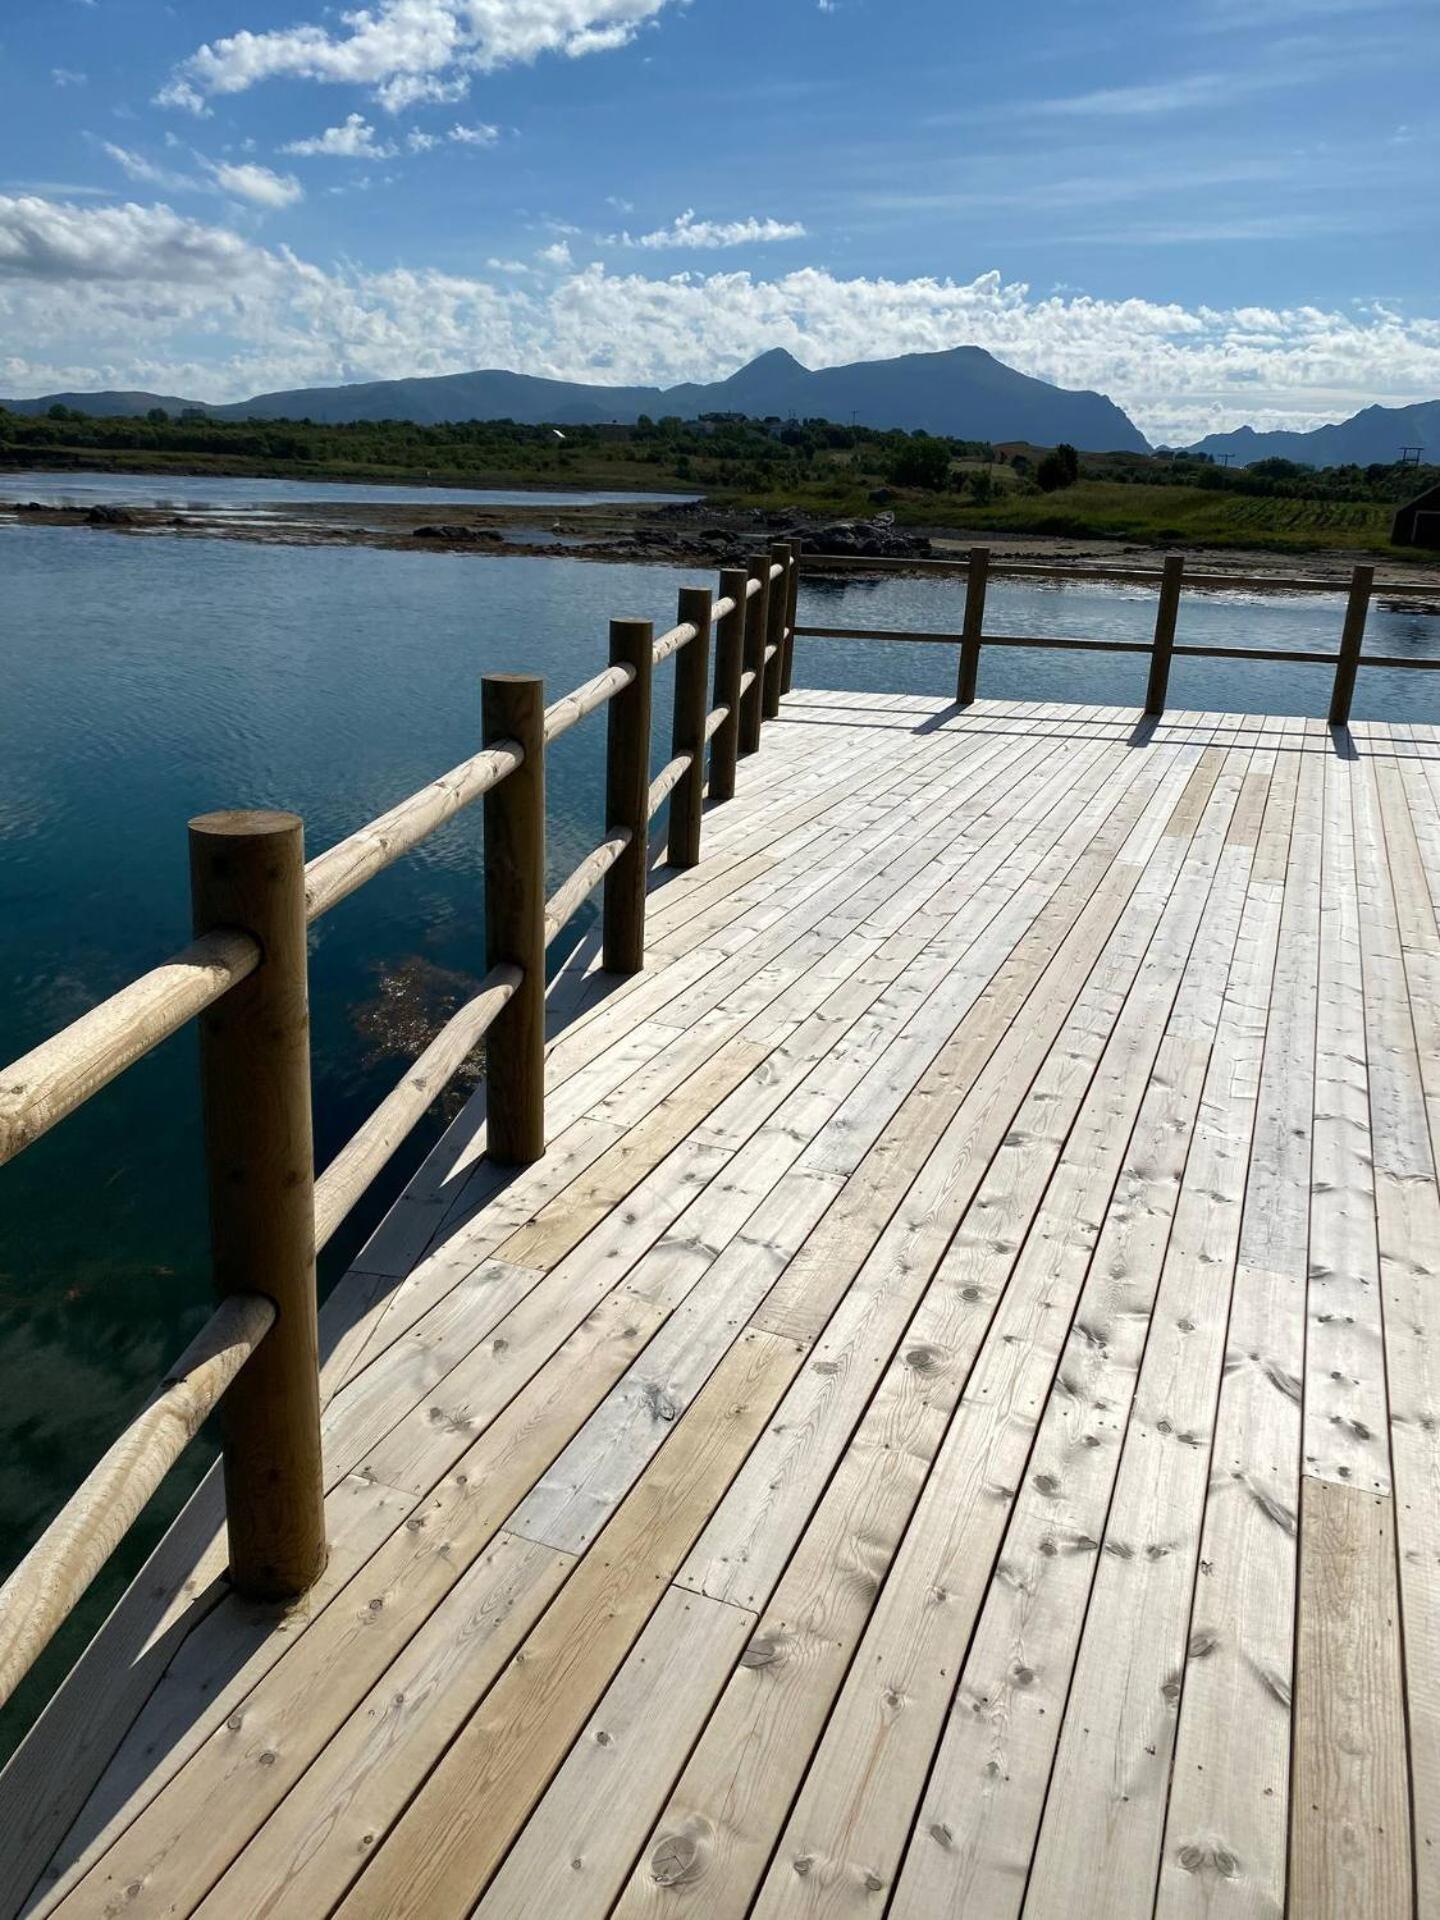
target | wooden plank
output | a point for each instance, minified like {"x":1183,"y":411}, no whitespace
{"x":1226,"y":1837}
{"x":574,"y":1854}
{"x":1350,"y":1830}
{"x":1129,"y":1674}
{"x":1345,"y":1414}
{"x":1401,"y":948}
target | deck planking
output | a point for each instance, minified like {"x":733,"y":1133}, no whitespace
{"x":950,"y":1425}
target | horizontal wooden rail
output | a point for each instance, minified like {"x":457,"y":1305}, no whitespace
{"x":574,"y":892}
{"x":335,"y":874}
{"x":666,"y":781}
{"x":570,"y":710}
{"x":48,"y":1583}
{"x":714,"y":720}
{"x":350,"y":1173}
{"x":673,"y":641}
{"x":40,"y":1088}
{"x":821,"y":563}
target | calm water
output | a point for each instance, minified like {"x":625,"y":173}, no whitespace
{"x":166,"y":490}
{"x":150,"y":680}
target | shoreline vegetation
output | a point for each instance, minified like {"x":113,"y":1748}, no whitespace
{"x":805,"y":476}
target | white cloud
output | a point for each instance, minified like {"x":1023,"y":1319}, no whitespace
{"x":126,"y":251}
{"x":353,"y":139}
{"x":481,"y":136}
{"x":259,"y":184}
{"x":709,"y":235}
{"x":555,"y":255}
{"x":68,"y":77}
{"x":135,"y":166}
{"x":409,"y":51}
{"x":408,"y":90}
{"x":185,"y":98}
{"x":133,"y":296}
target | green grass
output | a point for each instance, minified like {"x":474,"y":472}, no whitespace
{"x":1112,"y":510}
{"x":1188,"y":516}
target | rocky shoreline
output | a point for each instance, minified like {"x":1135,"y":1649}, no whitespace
{"x":683,"y":534}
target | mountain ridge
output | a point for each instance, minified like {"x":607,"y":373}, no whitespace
{"x":1374,"y":436}
{"x":962,"y":391}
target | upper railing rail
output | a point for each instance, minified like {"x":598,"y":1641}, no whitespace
{"x":244,"y":976}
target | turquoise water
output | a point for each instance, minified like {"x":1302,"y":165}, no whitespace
{"x":149,"y":680}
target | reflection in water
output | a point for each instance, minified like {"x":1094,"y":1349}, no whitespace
{"x":150,"y":680}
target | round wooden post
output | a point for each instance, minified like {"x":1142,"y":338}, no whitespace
{"x":792,"y":595}
{"x":729,"y":665}
{"x":627,"y":796}
{"x":1172,"y":579}
{"x":757,"y":621}
{"x":247,"y":870}
{"x":775,"y":633}
{"x":513,"y":708}
{"x":687,"y":732}
{"x":976,"y":580}
{"x":1357,"y":608}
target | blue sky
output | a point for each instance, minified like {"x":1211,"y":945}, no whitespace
{"x":1215,"y":211}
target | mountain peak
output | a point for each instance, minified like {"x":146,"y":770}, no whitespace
{"x":777,"y":360}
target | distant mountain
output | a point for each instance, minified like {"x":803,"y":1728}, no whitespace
{"x":965,"y":392}
{"x":105,"y":406}
{"x":1373,"y":435}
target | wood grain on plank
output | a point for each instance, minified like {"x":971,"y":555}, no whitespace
{"x":1350,"y":1820}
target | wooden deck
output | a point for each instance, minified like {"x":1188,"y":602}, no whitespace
{"x":951,"y":1426}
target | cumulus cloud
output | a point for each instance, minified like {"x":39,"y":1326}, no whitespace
{"x":409,"y":51}
{"x":135,"y":296}
{"x":253,"y":182}
{"x":127,"y":252}
{"x":710,"y":235}
{"x":353,"y":139}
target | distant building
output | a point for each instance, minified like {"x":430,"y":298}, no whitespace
{"x":1417,"y":524}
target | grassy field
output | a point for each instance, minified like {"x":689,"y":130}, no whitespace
{"x":1111,"y":510}
{"x":1189,"y":516}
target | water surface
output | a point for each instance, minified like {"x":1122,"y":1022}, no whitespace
{"x":194,"y":492}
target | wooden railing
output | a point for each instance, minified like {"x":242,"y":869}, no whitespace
{"x":244,"y":976}
{"x":1162,"y":648}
